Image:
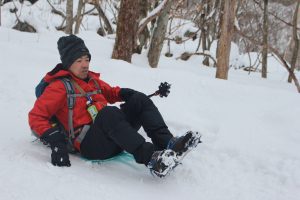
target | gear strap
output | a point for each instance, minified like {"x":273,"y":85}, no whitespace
{"x":71,"y":102}
{"x":82,"y":92}
{"x":71,"y":97}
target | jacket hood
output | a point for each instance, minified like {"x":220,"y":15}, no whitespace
{"x":58,"y":72}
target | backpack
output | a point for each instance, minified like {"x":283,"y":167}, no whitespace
{"x":39,"y":89}
{"x":71,"y":97}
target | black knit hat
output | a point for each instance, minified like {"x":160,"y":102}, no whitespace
{"x":71,"y":48}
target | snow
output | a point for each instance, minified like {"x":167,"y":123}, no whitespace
{"x":250,"y":127}
{"x":250,"y":130}
{"x":40,"y":17}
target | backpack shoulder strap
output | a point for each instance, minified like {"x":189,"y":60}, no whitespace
{"x":71,"y":102}
{"x":97,"y":84}
{"x":71,"y":97}
{"x":70,"y":92}
{"x":98,"y":91}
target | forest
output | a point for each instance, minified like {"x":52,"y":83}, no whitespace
{"x":259,"y":29}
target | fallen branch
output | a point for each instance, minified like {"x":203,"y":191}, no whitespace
{"x":188,"y":55}
{"x":191,"y":36}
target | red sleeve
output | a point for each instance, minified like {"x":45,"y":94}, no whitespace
{"x":53,"y":98}
{"x":111,"y":94}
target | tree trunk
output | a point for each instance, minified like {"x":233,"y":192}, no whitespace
{"x":69,"y":17}
{"x":159,"y":36}
{"x":204,"y":48}
{"x":126,"y":30}
{"x":104,"y":18}
{"x":0,"y":10}
{"x":214,"y":26}
{"x":296,"y":41}
{"x":169,"y":54}
{"x":204,"y":34}
{"x":224,"y":44}
{"x":265,"y":41}
{"x":79,"y":16}
{"x":145,"y":34}
{"x":211,"y":26}
{"x":152,"y":15}
{"x":276,"y":52}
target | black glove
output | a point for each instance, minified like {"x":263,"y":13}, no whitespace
{"x":59,"y":155}
{"x":126,"y":93}
{"x":56,"y":139}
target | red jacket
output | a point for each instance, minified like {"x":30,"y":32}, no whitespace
{"x":53,"y":101}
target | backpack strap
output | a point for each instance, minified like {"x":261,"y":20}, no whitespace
{"x":83,"y":93}
{"x":97,"y":86}
{"x":71,"y":97}
{"x":71,"y":102}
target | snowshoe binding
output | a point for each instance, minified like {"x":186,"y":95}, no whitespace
{"x":162,"y":162}
{"x":184,"y":144}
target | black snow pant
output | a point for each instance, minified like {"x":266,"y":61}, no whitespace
{"x":115,"y":130}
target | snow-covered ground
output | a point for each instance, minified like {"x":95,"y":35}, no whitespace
{"x":251,"y":137}
{"x":250,"y":129}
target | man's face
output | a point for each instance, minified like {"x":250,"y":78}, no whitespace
{"x":80,"y":67}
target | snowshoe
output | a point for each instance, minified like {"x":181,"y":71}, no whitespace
{"x":184,"y":144}
{"x":162,"y":162}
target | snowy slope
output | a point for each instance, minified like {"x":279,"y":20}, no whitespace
{"x":250,"y":130}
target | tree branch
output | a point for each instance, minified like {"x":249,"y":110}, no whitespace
{"x":88,"y":12}
{"x":275,"y":16}
{"x":152,"y":15}
{"x":55,"y":11}
{"x":274,"y":51}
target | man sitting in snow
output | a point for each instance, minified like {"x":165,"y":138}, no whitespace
{"x":101,"y":131}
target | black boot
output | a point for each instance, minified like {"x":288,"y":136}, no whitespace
{"x":162,"y":162}
{"x":183,"y":144}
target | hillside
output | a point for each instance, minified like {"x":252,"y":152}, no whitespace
{"x":250,"y":129}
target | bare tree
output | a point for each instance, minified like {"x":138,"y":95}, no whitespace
{"x":103,"y":17}
{"x":158,"y":9}
{"x":79,"y":16}
{"x":204,"y":31}
{"x":295,"y":41}
{"x":0,"y":10}
{"x":126,"y":30}
{"x":213,"y":27}
{"x":69,"y":17}
{"x":224,"y":44}
{"x":62,"y":14}
{"x":158,"y":36}
{"x":275,"y":52}
{"x":144,"y":35}
{"x":265,"y":41}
